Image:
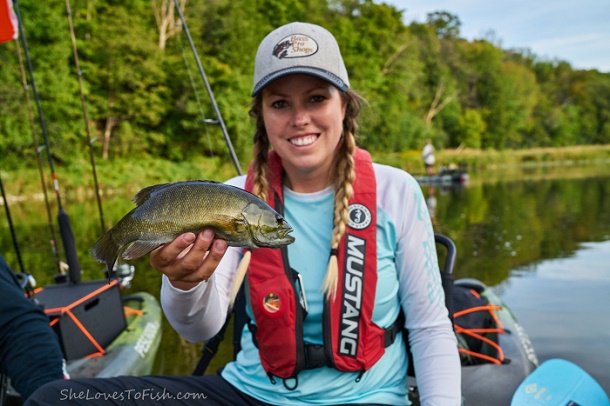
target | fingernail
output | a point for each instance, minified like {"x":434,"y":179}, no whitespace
{"x":188,"y":238}
{"x":208,"y":234}
{"x":220,"y":245}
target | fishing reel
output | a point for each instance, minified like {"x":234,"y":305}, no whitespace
{"x":124,"y":273}
{"x":26,"y":281}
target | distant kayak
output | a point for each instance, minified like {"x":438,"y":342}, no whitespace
{"x":445,"y":177}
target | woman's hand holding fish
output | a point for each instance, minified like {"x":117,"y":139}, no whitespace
{"x":189,"y":259}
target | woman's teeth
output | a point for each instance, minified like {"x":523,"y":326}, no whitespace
{"x":302,"y":141}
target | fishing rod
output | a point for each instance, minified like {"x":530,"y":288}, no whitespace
{"x":27,"y":286}
{"x":209,"y":90}
{"x":39,"y":159}
{"x":65,"y":228}
{"x":79,"y":74}
{"x":11,"y":226}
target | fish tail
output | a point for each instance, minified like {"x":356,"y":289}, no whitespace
{"x":105,"y":250}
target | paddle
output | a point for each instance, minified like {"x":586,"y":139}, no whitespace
{"x":558,"y":382}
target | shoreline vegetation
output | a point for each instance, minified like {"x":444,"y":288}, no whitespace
{"x":420,"y":81}
{"x":126,"y":177}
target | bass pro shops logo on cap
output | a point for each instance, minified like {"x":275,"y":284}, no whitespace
{"x":295,"y":46}
{"x":359,"y":216}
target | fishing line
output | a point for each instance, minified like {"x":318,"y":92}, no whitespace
{"x":209,"y":90}
{"x":11,"y":226}
{"x":38,"y":158}
{"x":63,"y":219}
{"x":205,"y":120}
{"x":27,"y":286}
{"x":79,"y":74}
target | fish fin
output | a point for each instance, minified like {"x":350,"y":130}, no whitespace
{"x":145,"y":193}
{"x":105,"y":250}
{"x":210,"y":181}
{"x":139,"y":249}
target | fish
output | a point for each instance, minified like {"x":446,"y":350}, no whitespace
{"x":165,"y":211}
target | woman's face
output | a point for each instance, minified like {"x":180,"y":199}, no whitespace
{"x":303,"y":116}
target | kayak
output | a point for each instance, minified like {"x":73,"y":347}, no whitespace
{"x":503,"y":363}
{"x":444,"y":178}
{"x":133,"y":351}
{"x":495,"y":352}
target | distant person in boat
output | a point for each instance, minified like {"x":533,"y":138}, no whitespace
{"x":326,"y":310}
{"x":30,"y":354}
{"x":428,"y":155}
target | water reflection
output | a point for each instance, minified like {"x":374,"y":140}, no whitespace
{"x":563,"y":305}
{"x":542,"y":239}
{"x":510,"y":223}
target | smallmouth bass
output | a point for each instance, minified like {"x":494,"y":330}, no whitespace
{"x":165,"y":211}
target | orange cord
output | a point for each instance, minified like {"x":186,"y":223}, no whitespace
{"x":474,"y":332}
{"x":68,"y":310}
{"x":85,"y":332}
{"x":476,"y":309}
{"x":130,"y":310}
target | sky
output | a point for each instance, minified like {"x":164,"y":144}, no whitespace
{"x":574,"y":31}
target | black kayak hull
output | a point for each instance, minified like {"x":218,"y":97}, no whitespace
{"x":492,"y":384}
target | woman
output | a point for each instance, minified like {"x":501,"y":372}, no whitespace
{"x":326,"y":310}
{"x":306,"y":112}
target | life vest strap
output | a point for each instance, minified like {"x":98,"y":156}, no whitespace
{"x":315,"y":356}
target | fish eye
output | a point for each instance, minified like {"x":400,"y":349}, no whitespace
{"x":279,"y":219}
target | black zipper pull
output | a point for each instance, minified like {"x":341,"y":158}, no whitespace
{"x":293,"y":387}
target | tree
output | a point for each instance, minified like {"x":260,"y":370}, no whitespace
{"x":167,"y":23}
{"x":445,"y":24}
{"x":127,"y":81}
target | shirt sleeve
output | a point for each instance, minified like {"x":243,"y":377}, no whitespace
{"x":29,"y":350}
{"x":199,"y":313}
{"x":431,"y":336}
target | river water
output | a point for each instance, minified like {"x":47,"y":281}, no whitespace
{"x":540,"y":236}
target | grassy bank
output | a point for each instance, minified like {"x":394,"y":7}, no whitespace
{"x":475,"y":160}
{"x":128,"y":176}
{"x":124,"y":176}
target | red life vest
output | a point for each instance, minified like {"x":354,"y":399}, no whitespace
{"x":352,"y":342}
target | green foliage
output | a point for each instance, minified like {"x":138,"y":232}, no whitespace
{"x":420,"y":81}
{"x":445,"y":24}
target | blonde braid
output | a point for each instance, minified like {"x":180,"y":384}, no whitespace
{"x":343,"y":192}
{"x":260,"y":151}
{"x":259,"y":188}
{"x":260,"y":168}
{"x":344,"y":174}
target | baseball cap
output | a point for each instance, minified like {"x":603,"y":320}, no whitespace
{"x":299,"y":48}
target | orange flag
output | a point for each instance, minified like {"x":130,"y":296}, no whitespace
{"x":8,"y":21}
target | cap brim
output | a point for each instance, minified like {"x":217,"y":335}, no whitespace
{"x":322,"y":74}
